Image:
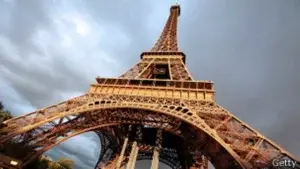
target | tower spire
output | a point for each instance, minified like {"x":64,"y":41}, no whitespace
{"x":167,"y":41}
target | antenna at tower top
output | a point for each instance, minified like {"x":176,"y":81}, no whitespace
{"x":177,"y":2}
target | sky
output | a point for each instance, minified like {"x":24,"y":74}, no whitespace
{"x":52,"y":50}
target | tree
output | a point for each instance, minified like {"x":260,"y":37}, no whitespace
{"x":46,"y":163}
{"x":42,"y":163}
{"x":66,"y":163}
{"x":54,"y":165}
{"x":1,"y":106}
{"x":4,"y":114}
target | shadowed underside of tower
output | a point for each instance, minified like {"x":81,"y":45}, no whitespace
{"x":153,"y":111}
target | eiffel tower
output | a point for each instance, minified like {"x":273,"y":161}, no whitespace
{"x":155,"y":111}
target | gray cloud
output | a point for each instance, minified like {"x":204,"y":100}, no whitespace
{"x":76,"y":148}
{"x":250,"y":50}
{"x":52,"y":50}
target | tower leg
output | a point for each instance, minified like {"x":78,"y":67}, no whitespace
{"x":134,"y":150}
{"x":135,"y":157}
{"x":139,"y":138}
{"x":155,"y":159}
{"x":121,"y":157}
{"x":131,"y":161}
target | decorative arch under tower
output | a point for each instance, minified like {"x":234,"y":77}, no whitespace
{"x":154,"y":111}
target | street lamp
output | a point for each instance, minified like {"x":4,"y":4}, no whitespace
{"x":12,"y":162}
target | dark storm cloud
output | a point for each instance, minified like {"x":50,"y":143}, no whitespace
{"x":43,"y":60}
{"x":56,"y":74}
{"x":76,"y":148}
{"x":248,"y":48}
{"x":25,"y":19}
{"x":131,"y":18}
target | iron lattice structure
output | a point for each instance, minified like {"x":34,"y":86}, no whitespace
{"x":153,"y":111}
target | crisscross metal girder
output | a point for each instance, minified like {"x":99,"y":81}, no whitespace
{"x":213,"y":129}
{"x":168,"y":39}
